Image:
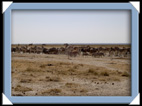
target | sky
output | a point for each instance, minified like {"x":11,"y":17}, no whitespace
{"x":70,"y":26}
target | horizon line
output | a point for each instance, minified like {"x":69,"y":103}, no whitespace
{"x":73,"y":43}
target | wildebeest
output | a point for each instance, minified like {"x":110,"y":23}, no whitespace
{"x":53,"y":50}
{"x":39,"y":50}
{"x":23,"y":49}
{"x":45,"y":51}
{"x":61,"y":50}
{"x":13,"y":49}
{"x":98,"y":54}
{"x":73,"y":51}
{"x":85,"y":53}
{"x":18,"y":49}
{"x":32,"y":49}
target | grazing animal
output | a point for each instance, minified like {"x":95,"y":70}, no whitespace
{"x":71,"y":50}
{"x":53,"y":50}
{"x":18,"y":49}
{"x":122,"y":52}
{"x":23,"y":49}
{"x":39,"y":50}
{"x":13,"y":49}
{"x":73,"y":53}
{"x":68,"y":50}
{"x":61,"y":50}
{"x":98,"y":54}
{"x":45,"y":51}
{"x":85,"y":54}
{"x":32,"y":49}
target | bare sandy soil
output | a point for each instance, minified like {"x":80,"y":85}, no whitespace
{"x":56,"y":75}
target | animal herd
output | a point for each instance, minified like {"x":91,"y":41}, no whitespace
{"x":73,"y":51}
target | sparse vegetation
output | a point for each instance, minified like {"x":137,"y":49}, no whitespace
{"x":54,"y":92}
{"x":30,"y":69}
{"x":54,"y":79}
{"x":83,"y":90}
{"x":96,"y":71}
{"x":92,"y":71}
{"x":43,"y":66}
{"x":56,"y":75}
{"x":103,"y":79}
{"x":75,"y":67}
{"x":79,"y":90}
{"x":51,"y":79}
{"x":71,"y":70}
{"x":22,"y":89}
{"x":125,"y":74}
{"x":70,"y":85}
{"x":115,"y":78}
{"x":26,"y":80}
{"x":81,"y":65}
{"x":112,"y":78}
{"x":63,"y":63}
{"x":104,"y":73}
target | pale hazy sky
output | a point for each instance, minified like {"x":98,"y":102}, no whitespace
{"x":71,"y":26}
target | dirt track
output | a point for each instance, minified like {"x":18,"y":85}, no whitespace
{"x":56,"y":75}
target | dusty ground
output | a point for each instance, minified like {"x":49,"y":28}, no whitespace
{"x":56,"y":75}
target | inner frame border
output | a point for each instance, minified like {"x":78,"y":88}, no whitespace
{"x":71,"y":99}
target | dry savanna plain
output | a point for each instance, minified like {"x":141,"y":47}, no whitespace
{"x":56,"y":75}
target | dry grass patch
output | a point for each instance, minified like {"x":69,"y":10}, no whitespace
{"x":111,"y":63}
{"x":122,"y":67}
{"x":63,"y":72}
{"x":75,"y":67}
{"x":30,"y":69}
{"x":81,"y":65}
{"x":17,"y":95}
{"x":53,"y":78}
{"x":71,"y":85}
{"x":26,"y":80}
{"x":103,"y":79}
{"x":71,"y":70}
{"x":125,"y":74}
{"x":83,"y":90}
{"x":115,"y":78}
{"x":79,"y":90}
{"x":22,"y":89}
{"x":63,"y":63}
{"x":111,"y":78}
{"x":101,"y":72}
{"x":53,"y":92}
{"x":104,"y":73}
{"x":43,"y":66}
{"x":92,"y":71}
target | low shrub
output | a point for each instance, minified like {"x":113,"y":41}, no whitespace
{"x":125,"y":74}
